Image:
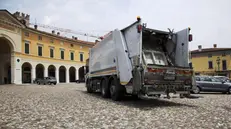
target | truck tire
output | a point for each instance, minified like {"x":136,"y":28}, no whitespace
{"x":105,"y":91}
{"x":88,"y":86}
{"x":116,"y":90}
{"x":135,"y":97}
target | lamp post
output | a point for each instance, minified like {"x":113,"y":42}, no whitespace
{"x":218,"y":63}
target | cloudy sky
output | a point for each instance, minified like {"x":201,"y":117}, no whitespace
{"x":210,"y":20}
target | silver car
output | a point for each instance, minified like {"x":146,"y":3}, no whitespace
{"x":211,"y":84}
{"x":47,"y":80}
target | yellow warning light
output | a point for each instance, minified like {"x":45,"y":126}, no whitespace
{"x":138,"y":18}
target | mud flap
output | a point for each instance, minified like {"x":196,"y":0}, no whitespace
{"x":137,"y":80}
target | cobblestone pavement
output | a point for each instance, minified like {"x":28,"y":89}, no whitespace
{"x":69,"y":106}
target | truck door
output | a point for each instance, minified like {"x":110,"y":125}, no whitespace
{"x":181,"y":52}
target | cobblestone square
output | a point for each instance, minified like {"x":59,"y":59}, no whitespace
{"x":69,"y":106}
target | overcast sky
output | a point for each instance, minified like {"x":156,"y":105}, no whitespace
{"x":210,"y":20}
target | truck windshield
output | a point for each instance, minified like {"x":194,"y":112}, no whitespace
{"x":157,"y":58}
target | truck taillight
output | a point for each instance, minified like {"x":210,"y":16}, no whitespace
{"x":101,"y":37}
{"x":188,"y":72}
{"x":190,"y":37}
{"x":156,"y":70}
{"x":139,"y":28}
{"x":184,"y":72}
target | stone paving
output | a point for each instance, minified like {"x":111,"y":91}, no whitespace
{"x":68,"y":106}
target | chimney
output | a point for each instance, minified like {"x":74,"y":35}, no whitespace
{"x":214,"y":45}
{"x":58,"y":33}
{"x":27,"y":17}
{"x":36,"y":27}
{"x":23,"y":15}
{"x":199,"y":47}
{"x":53,"y":31}
{"x":16,"y":14}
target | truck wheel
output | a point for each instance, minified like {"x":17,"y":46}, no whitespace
{"x":135,"y":97}
{"x":116,"y":90}
{"x":89,"y":89}
{"x":105,"y":91}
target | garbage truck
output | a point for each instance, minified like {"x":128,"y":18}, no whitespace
{"x":141,"y":62}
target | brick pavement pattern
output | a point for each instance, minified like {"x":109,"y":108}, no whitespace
{"x":69,"y":106}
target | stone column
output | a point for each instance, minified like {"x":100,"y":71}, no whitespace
{"x":57,"y":74}
{"x":77,"y":74}
{"x":1,"y":74}
{"x":45,"y":72}
{"x":67,"y":76}
{"x":16,"y":69}
{"x":33,"y":74}
{"x":13,"y":69}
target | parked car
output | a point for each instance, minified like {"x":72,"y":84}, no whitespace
{"x":80,"y":81}
{"x":35,"y":81}
{"x":211,"y":84}
{"x":223,"y":78}
{"x":47,"y":80}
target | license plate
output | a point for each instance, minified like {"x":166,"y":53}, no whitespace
{"x":170,"y":74}
{"x":169,"y":77}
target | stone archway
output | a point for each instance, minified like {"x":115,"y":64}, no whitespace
{"x":51,"y":71}
{"x":62,"y":74}
{"x":81,"y":72}
{"x":39,"y":71}
{"x":26,"y":72}
{"x":72,"y":74}
{"x":6,"y":50}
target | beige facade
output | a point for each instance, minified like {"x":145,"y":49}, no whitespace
{"x":10,"y":42}
{"x":17,"y":66}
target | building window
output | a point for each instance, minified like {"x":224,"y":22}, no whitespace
{"x":40,"y":37}
{"x":62,"y":54}
{"x":81,"y":57}
{"x":210,"y":55}
{"x":72,"y":45}
{"x":61,"y":42}
{"x":51,"y":53}
{"x":224,"y":66}
{"x":210,"y":65}
{"x":40,"y":50}
{"x":27,"y":48}
{"x":72,"y":56}
{"x":26,"y":34}
{"x":223,"y":54}
{"x":52,"y":40}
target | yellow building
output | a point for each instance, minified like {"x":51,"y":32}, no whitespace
{"x":28,"y":53}
{"x":212,"y":61}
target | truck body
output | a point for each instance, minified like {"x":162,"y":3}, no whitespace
{"x":140,"y":61}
